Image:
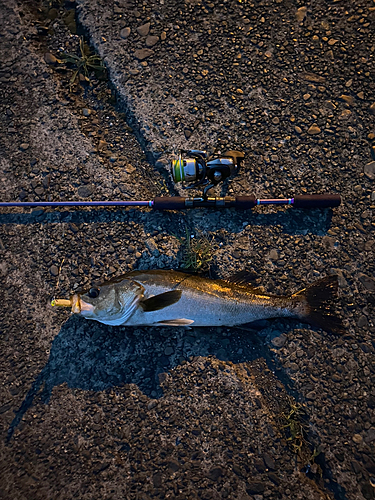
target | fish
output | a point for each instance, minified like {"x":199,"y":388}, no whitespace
{"x":174,"y":298}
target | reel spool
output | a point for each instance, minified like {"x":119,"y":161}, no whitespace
{"x":194,"y":167}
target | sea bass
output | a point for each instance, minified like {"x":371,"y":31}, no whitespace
{"x":160,"y":297}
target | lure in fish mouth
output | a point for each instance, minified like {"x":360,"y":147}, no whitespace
{"x":159,"y":297}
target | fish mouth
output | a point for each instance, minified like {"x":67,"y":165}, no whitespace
{"x":79,"y":306}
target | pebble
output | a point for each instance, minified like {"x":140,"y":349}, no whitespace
{"x":279,"y":341}
{"x":367,"y":282}
{"x":301,"y":14}
{"x":298,"y":129}
{"x":131,"y":249}
{"x":86,"y":112}
{"x":54,"y":270}
{"x":372,"y":109}
{"x":215,"y":473}
{"x":142,"y":54}
{"x":144,"y":29}
{"x":370,"y":435}
{"x":39,"y":191}
{"x":369,"y":170}
{"x":163,"y":36}
{"x":151,"y":40}
{"x":125,"y":32}
{"x":84,"y":191}
{"x":357,"y":438}
{"x":168,"y":350}
{"x":50,"y":58}
{"x":24,"y":146}
{"x":345,"y":114}
{"x":347,"y":98}
{"x":314,"y":130}
{"x":274,"y":254}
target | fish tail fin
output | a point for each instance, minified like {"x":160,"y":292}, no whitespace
{"x":319,"y":309}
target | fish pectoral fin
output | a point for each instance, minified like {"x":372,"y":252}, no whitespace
{"x":160,"y":301}
{"x":175,"y":322}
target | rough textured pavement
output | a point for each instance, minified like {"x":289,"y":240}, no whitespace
{"x":278,"y":410}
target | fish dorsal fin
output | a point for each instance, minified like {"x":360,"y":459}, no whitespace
{"x":175,"y":322}
{"x":242,"y":277}
{"x":160,"y":301}
{"x":245,"y":279}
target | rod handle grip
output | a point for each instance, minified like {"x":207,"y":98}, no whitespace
{"x":317,"y":200}
{"x":169,"y":203}
{"x":245,"y":202}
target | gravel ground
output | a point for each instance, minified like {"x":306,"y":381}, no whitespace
{"x":89,"y":410}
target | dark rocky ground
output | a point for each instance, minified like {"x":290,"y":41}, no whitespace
{"x":90,"y":411}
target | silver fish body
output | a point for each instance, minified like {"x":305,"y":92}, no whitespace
{"x":159,"y":297}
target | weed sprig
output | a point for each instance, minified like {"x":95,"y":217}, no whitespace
{"x":84,"y":63}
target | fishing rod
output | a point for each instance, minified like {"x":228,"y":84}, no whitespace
{"x":196,"y":167}
{"x":181,"y":203}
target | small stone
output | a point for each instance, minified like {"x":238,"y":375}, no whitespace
{"x":349,"y":83}
{"x":279,"y":341}
{"x":369,"y":170}
{"x":163,"y":36}
{"x":274,"y":254}
{"x":215,"y":473}
{"x":131,"y":249}
{"x":367,"y":282}
{"x":306,"y":97}
{"x":125,"y":32}
{"x":275,"y":120}
{"x":138,"y":255}
{"x":151,"y":40}
{"x":54,"y":270}
{"x":50,"y":58}
{"x":24,"y":146}
{"x":361,"y":95}
{"x":269,"y":461}
{"x":168,"y":351}
{"x":370,"y":435}
{"x":372,"y":109}
{"x":144,"y":29}
{"x":39,"y":191}
{"x":332,"y":41}
{"x":86,"y":112}
{"x":102,"y":145}
{"x":314,"y":130}
{"x":357,"y":438}
{"x":84,"y":191}
{"x":347,"y":98}
{"x":298,"y":129}
{"x":311,"y":395}
{"x":255,"y":487}
{"x":345,"y":114}
{"x":301,"y":14}
{"x":362,"y":321}
{"x":157,"y":479}
{"x":141,"y":54}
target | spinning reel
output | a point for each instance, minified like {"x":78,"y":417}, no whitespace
{"x":198,"y":168}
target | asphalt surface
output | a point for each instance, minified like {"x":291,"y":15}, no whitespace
{"x":276,"y":410}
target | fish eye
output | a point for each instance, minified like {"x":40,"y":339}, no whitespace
{"x":93,"y":293}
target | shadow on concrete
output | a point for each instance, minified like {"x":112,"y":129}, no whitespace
{"x":292,"y":220}
{"x":91,"y":356}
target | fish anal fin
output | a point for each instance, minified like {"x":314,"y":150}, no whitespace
{"x":175,"y":322}
{"x":161,"y":301}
